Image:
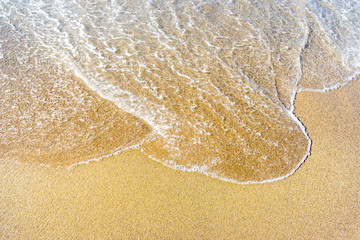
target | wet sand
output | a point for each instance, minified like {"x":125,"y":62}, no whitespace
{"x":128,"y":196}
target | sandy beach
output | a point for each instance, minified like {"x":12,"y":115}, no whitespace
{"x":128,"y":196}
{"x":145,"y":119}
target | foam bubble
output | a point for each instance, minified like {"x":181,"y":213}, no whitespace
{"x":199,"y":86}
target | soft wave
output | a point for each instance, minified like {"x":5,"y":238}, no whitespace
{"x":204,"y":86}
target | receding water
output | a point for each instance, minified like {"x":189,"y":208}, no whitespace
{"x":205,"y":86}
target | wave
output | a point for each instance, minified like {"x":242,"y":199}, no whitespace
{"x":200,"y":86}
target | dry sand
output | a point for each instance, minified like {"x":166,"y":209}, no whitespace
{"x":131,"y":197}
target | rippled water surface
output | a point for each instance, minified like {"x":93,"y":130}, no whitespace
{"x":204,"y":86}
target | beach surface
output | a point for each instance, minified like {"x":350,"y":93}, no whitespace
{"x":128,"y":196}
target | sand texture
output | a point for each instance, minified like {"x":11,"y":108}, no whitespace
{"x":102,"y":103}
{"x":129,"y":196}
{"x":202,"y":86}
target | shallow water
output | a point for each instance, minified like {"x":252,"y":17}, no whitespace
{"x":204,"y":86}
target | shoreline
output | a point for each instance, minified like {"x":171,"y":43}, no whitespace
{"x":129,"y":196}
{"x":198,"y":169}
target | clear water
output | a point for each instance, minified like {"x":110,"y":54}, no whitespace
{"x":205,"y":86}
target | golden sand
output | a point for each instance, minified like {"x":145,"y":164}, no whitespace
{"x":209,"y":80}
{"x":128,"y":196}
{"x":57,"y":121}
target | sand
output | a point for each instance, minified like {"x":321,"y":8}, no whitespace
{"x":129,"y":196}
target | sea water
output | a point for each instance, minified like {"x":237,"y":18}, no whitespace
{"x":200,"y":86}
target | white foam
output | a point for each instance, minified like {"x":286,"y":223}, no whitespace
{"x":116,"y":152}
{"x":77,"y":50}
{"x":333,"y":87}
